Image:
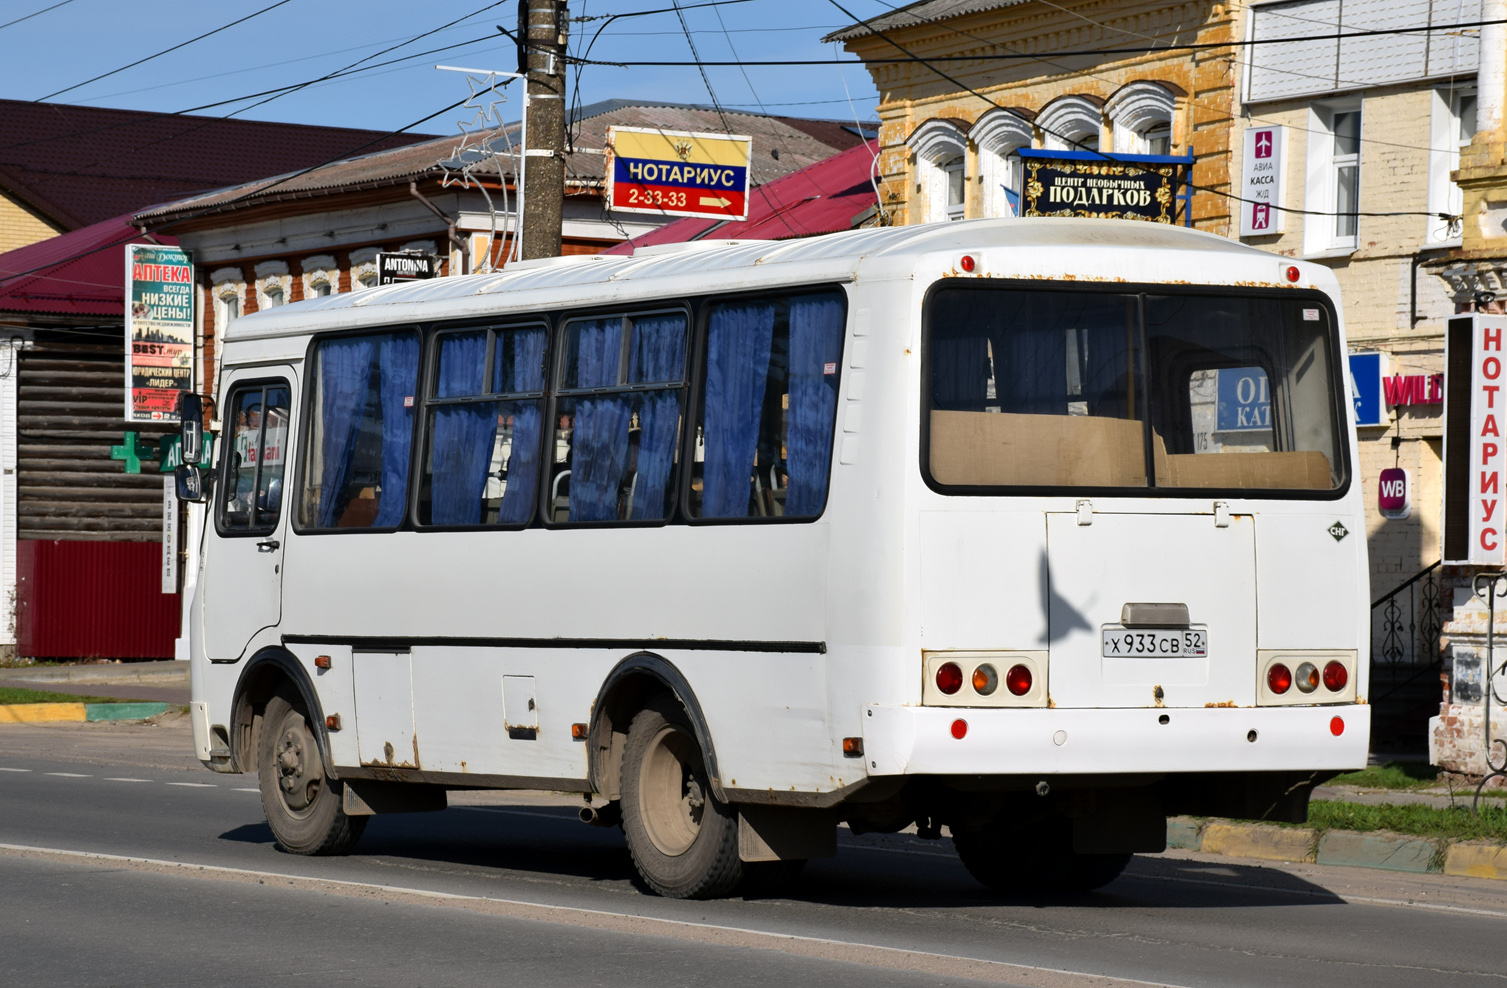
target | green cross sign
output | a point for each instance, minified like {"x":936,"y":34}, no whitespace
{"x":164,"y":451}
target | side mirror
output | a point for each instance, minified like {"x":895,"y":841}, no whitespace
{"x":189,"y":480}
{"x":191,"y":426}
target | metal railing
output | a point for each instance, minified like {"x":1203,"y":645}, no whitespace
{"x":1405,"y":624}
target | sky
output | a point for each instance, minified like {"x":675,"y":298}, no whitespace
{"x":52,"y":50}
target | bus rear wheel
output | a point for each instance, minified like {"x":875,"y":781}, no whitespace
{"x":683,"y":840}
{"x":304,"y":807}
{"x":1048,"y":867}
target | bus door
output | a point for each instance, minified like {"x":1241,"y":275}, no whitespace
{"x":244,"y":556}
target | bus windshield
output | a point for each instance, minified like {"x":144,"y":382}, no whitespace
{"x":1092,"y":389}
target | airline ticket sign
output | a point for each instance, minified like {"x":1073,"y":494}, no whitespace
{"x":678,"y":173}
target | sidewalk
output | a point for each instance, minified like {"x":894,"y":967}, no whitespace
{"x":159,"y":682}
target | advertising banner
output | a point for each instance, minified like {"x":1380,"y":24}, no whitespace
{"x":159,"y":331}
{"x":677,"y":173}
{"x":405,"y":266}
{"x":1261,"y":181}
{"x":1095,"y":186}
{"x":1366,"y":390}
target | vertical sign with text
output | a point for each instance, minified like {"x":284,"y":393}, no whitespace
{"x":1487,"y":414}
{"x":1261,"y":181}
{"x":159,"y":331}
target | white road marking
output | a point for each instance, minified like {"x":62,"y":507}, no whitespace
{"x":70,"y":775}
{"x":194,"y":785}
{"x":125,"y":780}
{"x":15,"y":770}
{"x":246,"y":790}
{"x":999,"y":971}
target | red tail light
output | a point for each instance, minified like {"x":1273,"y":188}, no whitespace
{"x":1018,"y":680}
{"x":1335,"y":676}
{"x":949,"y":678}
{"x":959,"y":729}
{"x":1279,"y":678}
{"x":1337,"y":726}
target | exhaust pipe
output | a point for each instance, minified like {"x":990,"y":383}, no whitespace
{"x":608,"y":815}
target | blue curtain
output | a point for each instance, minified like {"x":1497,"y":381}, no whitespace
{"x":463,"y":434}
{"x":657,"y":350}
{"x":737,"y":365}
{"x":659,"y":428}
{"x":400,"y":375}
{"x":959,"y":368}
{"x":599,"y":439}
{"x":345,"y":370}
{"x":816,"y":325}
{"x":520,"y":367}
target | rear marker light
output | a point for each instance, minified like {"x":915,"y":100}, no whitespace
{"x":852,"y":747}
{"x":579,"y":731}
{"x":1279,"y":678}
{"x":967,"y":263}
{"x":1307,"y":677}
{"x":1018,"y":680}
{"x":1337,"y":726}
{"x":960,"y":728}
{"x":332,"y":722}
{"x":321,"y":661}
{"x":985,"y":680}
{"x":1335,"y":676}
{"x":949,"y":678}
{"x":1293,"y":274}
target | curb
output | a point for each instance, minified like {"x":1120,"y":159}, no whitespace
{"x":47,"y":713}
{"x":1380,"y":849}
{"x":126,"y":672}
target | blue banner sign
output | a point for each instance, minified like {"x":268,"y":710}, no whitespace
{"x":1365,"y":389}
{"x":1245,"y":400}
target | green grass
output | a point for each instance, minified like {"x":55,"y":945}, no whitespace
{"x":1392,"y":775}
{"x":1432,"y":822}
{"x":12,"y":694}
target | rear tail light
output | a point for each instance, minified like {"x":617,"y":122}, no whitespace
{"x":1307,"y":677}
{"x":1337,"y":726}
{"x":1279,"y":678}
{"x":1336,"y":676}
{"x":985,"y":680}
{"x":959,"y":728}
{"x":1018,"y":680}
{"x":949,"y":678}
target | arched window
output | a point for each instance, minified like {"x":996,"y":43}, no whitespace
{"x":998,"y":135}
{"x":1071,"y":123}
{"x":1141,"y":114}
{"x":941,"y":153}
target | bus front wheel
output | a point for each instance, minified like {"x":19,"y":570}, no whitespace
{"x":303,"y":806}
{"x":683,"y":840}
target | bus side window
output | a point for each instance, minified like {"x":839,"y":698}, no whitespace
{"x":359,"y":431}
{"x":252,"y":494}
{"x":768,"y":408}
{"x":617,"y":418}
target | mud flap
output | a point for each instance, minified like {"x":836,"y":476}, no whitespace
{"x":780,"y":833}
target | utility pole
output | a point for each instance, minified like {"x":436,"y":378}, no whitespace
{"x":543,"y":23}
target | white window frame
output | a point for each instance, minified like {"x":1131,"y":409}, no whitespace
{"x":227,"y":288}
{"x":364,"y":268}
{"x":1445,"y":141}
{"x":1140,"y":113}
{"x":274,"y":286}
{"x":320,"y":270}
{"x":936,"y":144}
{"x":997,"y":135}
{"x":956,"y":167}
{"x":1320,"y":235}
{"x":1070,"y":121}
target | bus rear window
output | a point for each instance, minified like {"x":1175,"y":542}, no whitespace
{"x":1056,"y":389}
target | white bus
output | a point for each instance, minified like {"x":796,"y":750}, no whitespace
{"x":1036,"y":530}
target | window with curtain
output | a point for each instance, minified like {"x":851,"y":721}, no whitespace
{"x":484,"y":421}
{"x":617,"y":418}
{"x":768,"y":407}
{"x":251,"y":495}
{"x":359,"y":433}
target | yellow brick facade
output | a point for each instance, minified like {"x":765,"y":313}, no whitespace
{"x":19,"y":226}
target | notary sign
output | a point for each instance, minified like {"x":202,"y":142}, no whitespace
{"x":159,"y":331}
{"x":1088,"y":184}
{"x":1475,"y":423}
{"x":677,"y":173}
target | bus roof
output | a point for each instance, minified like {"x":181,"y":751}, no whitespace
{"x":706,"y":266}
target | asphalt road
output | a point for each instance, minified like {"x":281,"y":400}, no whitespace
{"x":124,"y":863}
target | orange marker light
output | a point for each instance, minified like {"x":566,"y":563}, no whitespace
{"x":959,"y":728}
{"x":332,"y":722}
{"x":579,"y":731}
{"x":852,"y":747}
{"x":321,"y":661}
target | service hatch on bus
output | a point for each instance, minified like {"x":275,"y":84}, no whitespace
{"x":940,"y":525}
{"x":676,"y":173}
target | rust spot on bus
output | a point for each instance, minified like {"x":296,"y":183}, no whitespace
{"x":1221,"y":703}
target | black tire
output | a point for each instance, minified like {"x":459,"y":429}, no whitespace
{"x":683,"y":840}
{"x":1050,"y":868}
{"x":304,"y":808}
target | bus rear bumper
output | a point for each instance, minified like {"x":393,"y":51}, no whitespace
{"x":922,"y":741}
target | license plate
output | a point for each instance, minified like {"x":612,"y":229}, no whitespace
{"x":1155,"y":643}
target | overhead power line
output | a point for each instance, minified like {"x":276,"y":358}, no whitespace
{"x":182,"y":44}
{"x":28,"y":17}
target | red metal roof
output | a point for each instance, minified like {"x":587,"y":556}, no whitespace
{"x":77,"y":274}
{"x":78,"y":165}
{"x":833,"y":194}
